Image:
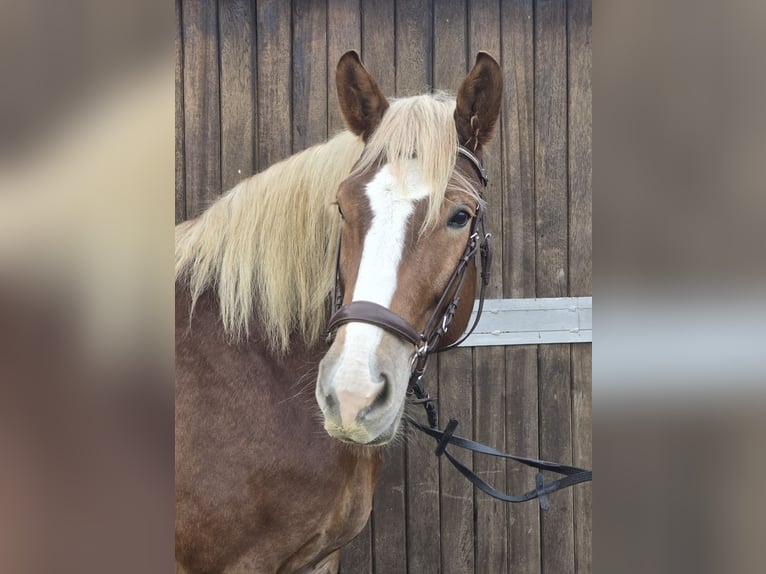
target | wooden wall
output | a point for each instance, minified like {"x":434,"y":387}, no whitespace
{"x":255,"y":83}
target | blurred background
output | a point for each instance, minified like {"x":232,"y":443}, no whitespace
{"x":86,"y":260}
{"x":86,"y":222}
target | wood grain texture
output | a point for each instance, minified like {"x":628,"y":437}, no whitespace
{"x":356,"y":556}
{"x":579,"y":23}
{"x":236,"y":20}
{"x":309,"y":91}
{"x":202,"y":126}
{"x":180,"y":183}
{"x":491,"y":544}
{"x":414,"y":32}
{"x":518,"y":269}
{"x":379,"y":42}
{"x":274,"y":82}
{"x":457,"y":496}
{"x":389,"y":541}
{"x":344,"y":33}
{"x":552,"y":269}
{"x":422,"y":488}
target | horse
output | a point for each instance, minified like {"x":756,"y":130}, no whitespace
{"x":280,"y":432}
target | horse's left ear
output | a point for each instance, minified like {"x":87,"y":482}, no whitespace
{"x":362,"y":102}
{"x":478,"y":103}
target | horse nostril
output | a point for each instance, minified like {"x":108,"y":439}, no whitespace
{"x":384,"y":394}
{"x":330,"y":406}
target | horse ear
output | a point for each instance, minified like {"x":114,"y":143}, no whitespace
{"x":478,"y":102}
{"x":362,"y":102}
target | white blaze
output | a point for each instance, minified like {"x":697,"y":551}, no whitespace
{"x":391,"y":207}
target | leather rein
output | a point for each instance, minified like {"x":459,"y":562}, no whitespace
{"x":426,"y":343}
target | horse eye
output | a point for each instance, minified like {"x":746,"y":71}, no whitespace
{"x":339,"y":209}
{"x":459,"y":219}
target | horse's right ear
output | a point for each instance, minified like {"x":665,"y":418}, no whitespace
{"x":362,"y":102}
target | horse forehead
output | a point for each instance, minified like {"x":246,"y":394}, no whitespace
{"x":403,"y":182}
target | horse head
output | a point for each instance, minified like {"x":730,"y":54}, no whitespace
{"x":409,"y":210}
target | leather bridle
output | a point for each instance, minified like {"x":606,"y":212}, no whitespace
{"x":426,"y":343}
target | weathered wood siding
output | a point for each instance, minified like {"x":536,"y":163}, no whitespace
{"x":255,"y":83}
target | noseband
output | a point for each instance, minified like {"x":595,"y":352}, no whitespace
{"x":426,"y":341}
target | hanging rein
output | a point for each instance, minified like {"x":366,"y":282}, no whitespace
{"x":426,"y":343}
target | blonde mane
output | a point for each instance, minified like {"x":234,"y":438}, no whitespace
{"x":268,"y":245}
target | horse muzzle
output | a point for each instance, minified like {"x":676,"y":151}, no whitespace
{"x":362,"y":384}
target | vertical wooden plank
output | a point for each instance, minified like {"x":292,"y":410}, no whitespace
{"x":551,"y":270}
{"x":422,"y":488}
{"x":389,"y":541}
{"x":449,"y":50}
{"x":414,"y":33}
{"x":579,"y":15}
{"x":356,"y":556}
{"x":457,"y":524}
{"x":309,"y":73}
{"x":489,"y":362}
{"x":344,"y":33}
{"x":379,"y":42}
{"x":236,"y":19}
{"x":388,"y":518}
{"x":454,"y":367}
{"x":274,"y":123}
{"x":518,"y":268}
{"x":582,"y":451}
{"x":202,"y":128}
{"x":180,"y":184}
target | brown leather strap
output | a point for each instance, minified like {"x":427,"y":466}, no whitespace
{"x":374,"y":314}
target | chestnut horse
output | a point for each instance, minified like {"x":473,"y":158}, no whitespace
{"x":278,"y":437}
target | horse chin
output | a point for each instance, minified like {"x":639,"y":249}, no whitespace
{"x":361,"y":436}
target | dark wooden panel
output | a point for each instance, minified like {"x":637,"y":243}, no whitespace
{"x":344,"y":33}
{"x":489,"y":362}
{"x":202,"y":127}
{"x":379,"y":41}
{"x":389,"y":542}
{"x":524,"y":553}
{"x":457,"y":496}
{"x":518,"y":269}
{"x":236,"y":20}
{"x":356,"y":556}
{"x":579,"y":15}
{"x":180,"y":183}
{"x":582,"y":441}
{"x":552,"y":269}
{"x":449,"y":51}
{"x":422,"y":488}
{"x":309,"y":73}
{"x":414,"y":21}
{"x":274,"y":122}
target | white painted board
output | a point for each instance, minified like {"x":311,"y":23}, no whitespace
{"x":533,"y":321}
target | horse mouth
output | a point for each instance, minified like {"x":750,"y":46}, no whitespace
{"x":360,"y":436}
